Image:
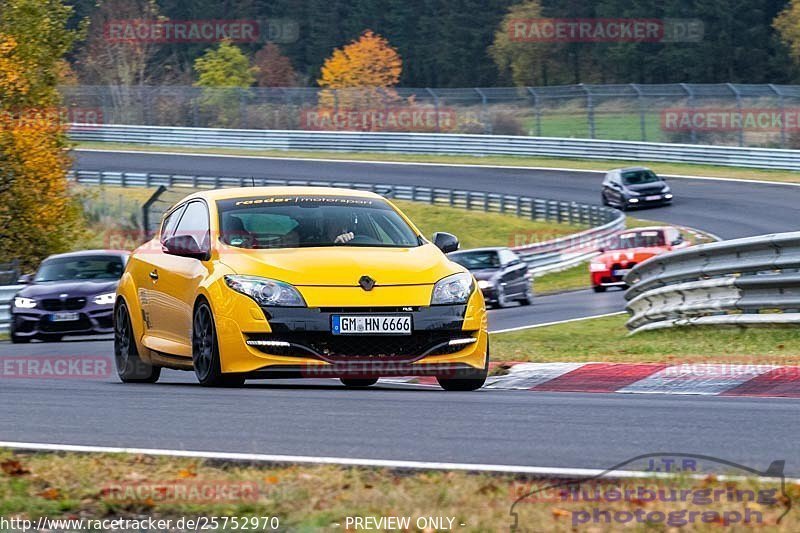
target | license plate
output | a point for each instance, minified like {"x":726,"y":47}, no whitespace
{"x":621,"y":271}
{"x":64,"y":317}
{"x":371,"y":324}
{"x":652,"y":198}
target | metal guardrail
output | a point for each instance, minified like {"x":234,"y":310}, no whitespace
{"x":542,"y":256}
{"x":743,"y":282}
{"x":435,"y":143}
{"x":7,"y":292}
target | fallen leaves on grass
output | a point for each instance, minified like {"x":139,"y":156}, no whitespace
{"x":13,"y":468}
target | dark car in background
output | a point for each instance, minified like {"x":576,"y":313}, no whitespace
{"x":70,"y":294}
{"x":502,"y":276}
{"x":630,"y":187}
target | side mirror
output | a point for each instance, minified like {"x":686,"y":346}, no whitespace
{"x":446,"y":242}
{"x":24,"y":279}
{"x":185,"y":246}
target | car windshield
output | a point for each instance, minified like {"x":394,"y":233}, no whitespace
{"x":638,"y":239}
{"x":639,"y":177}
{"x":311,"y":221}
{"x":477,"y":260}
{"x":88,"y":267}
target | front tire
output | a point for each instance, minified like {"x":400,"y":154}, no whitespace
{"x":467,"y":380}
{"x":130,"y":367}
{"x":205,"y":351}
{"x":358,"y":382}
{"x":527,"y":298}
{"x":599,"y":288}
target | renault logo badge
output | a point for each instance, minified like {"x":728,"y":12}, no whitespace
{"x":366,"y":282}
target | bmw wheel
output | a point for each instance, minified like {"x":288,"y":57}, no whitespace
{"x":205,"y":351}
{"x":130,"y":367}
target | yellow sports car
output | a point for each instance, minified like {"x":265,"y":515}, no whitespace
{"x":298,"y":282}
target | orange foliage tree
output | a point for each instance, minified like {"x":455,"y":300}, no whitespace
{"x":38,"y":215}
{"x":361,"y":74}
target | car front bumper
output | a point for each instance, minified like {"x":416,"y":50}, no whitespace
{"x":92,"y":319}
{"x":297,"y":342}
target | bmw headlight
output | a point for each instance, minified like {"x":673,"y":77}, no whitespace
{"x":484,"y":284}
{"x":665,"y":189}
{"x":633,"y":193}
{"x":597,"y":267}
{"x":105,"y":299}
{"x":453,"y":289}
{"x":266,"y":292}
{"x":24,"y":303}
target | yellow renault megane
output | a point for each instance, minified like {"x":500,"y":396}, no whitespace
{"x":298,"y":282}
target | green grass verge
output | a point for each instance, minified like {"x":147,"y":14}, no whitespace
{"x":663,"y":168}
{"x":310,"y":498}
{"x":570,"y":279}
{"x":606,"y":339}
{"x":477,"y":228}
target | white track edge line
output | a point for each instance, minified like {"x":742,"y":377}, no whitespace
{"x":557,"y":322}
{"x":346,"y":461}
{"x":422,"y":163}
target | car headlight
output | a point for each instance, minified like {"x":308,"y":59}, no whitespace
{"x":597,"y":267}
{"x":453,"y":289}
{"x":484,"y":284}
{"x":632,"y":193}
{"x":105,"y":298}
{"x":665,"y":189}
{"x":24,"y":303}
{"x":266,"y":292}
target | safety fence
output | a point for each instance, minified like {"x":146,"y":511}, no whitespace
{"x":721,"y":114}
{"x":434,"y":143}
{"x":743,"y":282}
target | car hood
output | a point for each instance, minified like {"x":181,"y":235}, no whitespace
{"x":658,"y":185}
{"x":636,"y":255}
{"x":70,"y":288}
{"x":343,"y":265}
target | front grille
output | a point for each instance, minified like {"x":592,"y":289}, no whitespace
{"x":68,"y":304}
{"x":649,"y":192}
{"x":363,"y":347}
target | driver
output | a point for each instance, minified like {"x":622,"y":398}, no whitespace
{"x":338,"y":229}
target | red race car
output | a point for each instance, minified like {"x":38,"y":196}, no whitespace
{"x":629,"y":248}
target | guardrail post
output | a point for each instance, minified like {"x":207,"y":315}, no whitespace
{"x":487,"y":123}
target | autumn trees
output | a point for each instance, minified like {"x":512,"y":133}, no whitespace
{"x":38,"y":215}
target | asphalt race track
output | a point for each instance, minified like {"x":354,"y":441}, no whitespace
{"x":321,"y":418}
